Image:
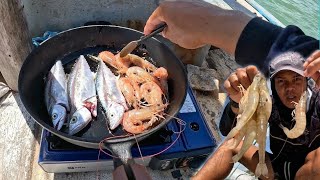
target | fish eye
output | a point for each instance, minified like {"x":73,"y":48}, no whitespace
{"x":73,"y":120}
{"x":54,"y":116}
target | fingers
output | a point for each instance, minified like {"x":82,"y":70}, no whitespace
{"x":229,"y":89}
{"x":164,"y":32}
{"x":154,"y":20}
{"x":312,"y":64}
{"x":312,"y":68}
{"x":243,"y":77}
{"x":252,"y":71}
{"x":230,"y":86}
{"x":312,"y":57}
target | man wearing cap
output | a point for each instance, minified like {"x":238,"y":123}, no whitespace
{"x":287,"y":79}
{"x":297,"y":158}
{"x":253,"y":41}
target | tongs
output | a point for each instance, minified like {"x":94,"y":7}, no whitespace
{"x":134,"y":44}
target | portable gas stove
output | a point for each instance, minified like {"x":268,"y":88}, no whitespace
{"x":190,"y":150}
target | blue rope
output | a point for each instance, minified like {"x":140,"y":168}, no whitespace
{"x":36,"y":41}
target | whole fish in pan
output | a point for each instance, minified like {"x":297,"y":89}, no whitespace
{"x":110,"y":95}
{"x":82,"y":96}
{"x":56,"y":97}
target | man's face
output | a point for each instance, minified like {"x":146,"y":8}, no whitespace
{"x":289,"y":86}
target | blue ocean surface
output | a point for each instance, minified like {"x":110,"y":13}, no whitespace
{"x":304,"y":14}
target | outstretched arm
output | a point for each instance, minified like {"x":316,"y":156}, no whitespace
{"x":194,"y":24}
{"x":220,"y":164}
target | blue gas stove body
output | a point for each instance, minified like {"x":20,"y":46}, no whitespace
{"x":190,"y":150}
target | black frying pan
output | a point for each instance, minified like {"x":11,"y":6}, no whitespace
{"x":67,"y":46}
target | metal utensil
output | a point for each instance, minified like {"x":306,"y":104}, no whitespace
{"x":134,"y":44}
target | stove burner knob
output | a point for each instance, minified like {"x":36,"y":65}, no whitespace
{"x":194,"y":126}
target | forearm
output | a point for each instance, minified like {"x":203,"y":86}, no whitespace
{"x":192,"y":24}
{"x":218,"y":166}
{"x":225,"y":28}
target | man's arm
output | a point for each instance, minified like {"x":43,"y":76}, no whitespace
{"x":195,"y":24}
{"x":250,"y":40}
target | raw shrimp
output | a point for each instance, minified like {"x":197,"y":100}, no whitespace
{"x":133,"y":120}
{"x":130,"y":91}
{"x":151,"y":93}
{"x":243,"y":100}
{"x":263,"y":114}
{"x":140,"y":75}
{"x":237,"y":139}
{"x":138,"y":61}
{"x":249,"y":107}
{"x":250,"y":135}
{"x":300,"y":117}
{"x":254,"y":112}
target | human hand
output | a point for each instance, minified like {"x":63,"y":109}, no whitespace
{"x":312,"y":67}
{"x":243,"y":76}
{"x":187,"y":22}
{"x":192,"y":24}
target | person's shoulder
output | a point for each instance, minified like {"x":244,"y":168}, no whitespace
{"x":260,"y":41}
{"x":255,"y":42}
{"x":292,"y":38}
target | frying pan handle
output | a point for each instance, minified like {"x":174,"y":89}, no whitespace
{"x":125,"y":167}
{"x":137,"y":172}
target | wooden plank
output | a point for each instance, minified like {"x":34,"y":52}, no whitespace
{"x":15,"y":42}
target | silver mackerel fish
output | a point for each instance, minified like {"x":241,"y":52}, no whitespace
{"x":56,"y":97}
{"x":110,"y":95}
{"x":82,"y":96}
